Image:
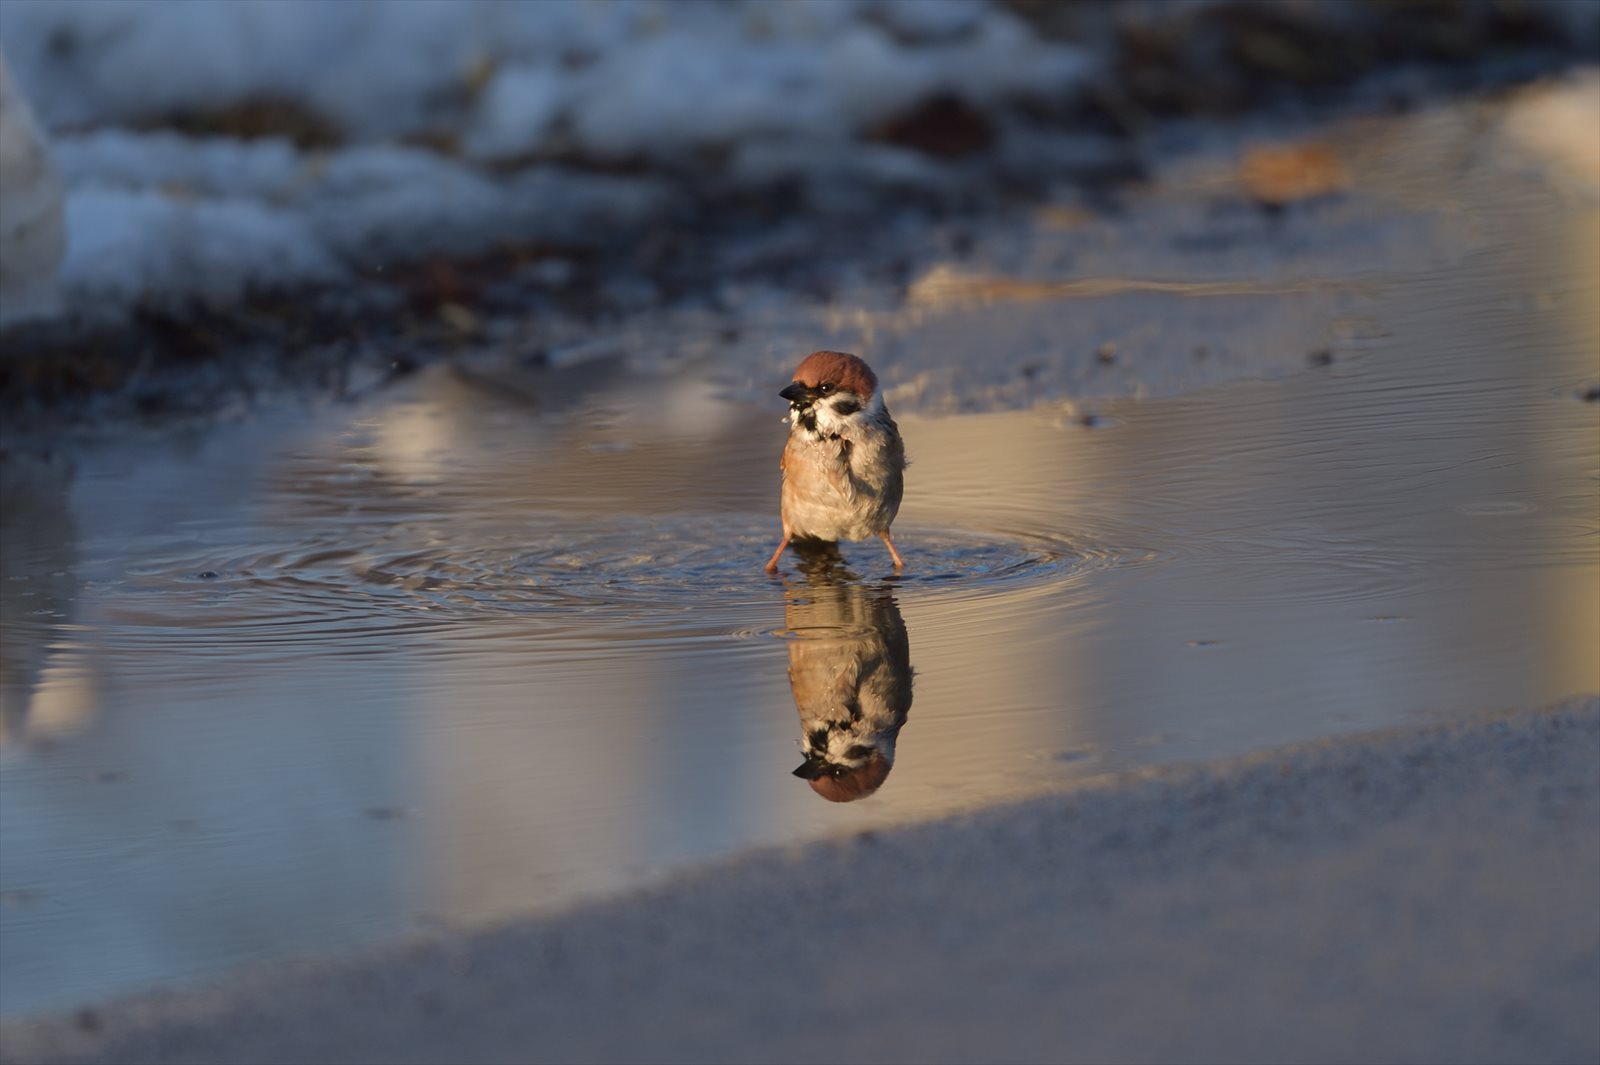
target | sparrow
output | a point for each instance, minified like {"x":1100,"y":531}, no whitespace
{"x":850,"y":674}
{"x":844,"y":464}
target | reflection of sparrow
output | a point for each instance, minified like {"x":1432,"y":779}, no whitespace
{"x":844,"y":464}
{"x":850,"y":672}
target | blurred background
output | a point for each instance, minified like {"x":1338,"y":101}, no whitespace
{"x":318,"y":174}
{"x":388,"y":426}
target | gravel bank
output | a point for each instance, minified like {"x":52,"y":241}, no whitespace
{"x":1424,"y":895}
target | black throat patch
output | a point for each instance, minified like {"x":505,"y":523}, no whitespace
{"x":806,"y":418}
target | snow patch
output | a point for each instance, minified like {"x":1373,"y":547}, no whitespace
{"x":148,"y":246}
{"x":518,"y":110}
{"x":775,"y":89}
{"x":31,"y":238}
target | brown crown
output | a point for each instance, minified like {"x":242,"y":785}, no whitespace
{"x":855,"y":783}
{"x":840,"y":369}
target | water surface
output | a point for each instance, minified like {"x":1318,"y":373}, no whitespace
{"x":483,"y":643}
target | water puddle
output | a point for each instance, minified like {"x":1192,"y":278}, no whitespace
{"x":447,"y":655}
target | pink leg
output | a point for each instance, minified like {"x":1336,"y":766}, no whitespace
{"x":772,"y":563}
{"x":899,"y":563}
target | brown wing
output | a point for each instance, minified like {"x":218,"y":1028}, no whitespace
{"x":894,"y":488}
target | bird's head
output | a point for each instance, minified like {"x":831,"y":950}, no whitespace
{"x":831,"y":390}
{"x":850,"y":778}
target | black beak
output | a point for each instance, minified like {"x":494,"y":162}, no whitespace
{"x":799,"y":393}
{"x":813,"y":768}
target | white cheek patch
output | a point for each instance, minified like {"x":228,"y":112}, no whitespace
{"x":831,"y":420}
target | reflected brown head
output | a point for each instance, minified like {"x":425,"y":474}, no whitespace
{"x":840,"y":369}
{"x":855,"y":783}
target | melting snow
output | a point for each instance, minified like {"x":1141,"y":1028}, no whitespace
{"x":783,"y":87}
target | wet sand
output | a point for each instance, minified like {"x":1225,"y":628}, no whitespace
{"x":1418,"y":895}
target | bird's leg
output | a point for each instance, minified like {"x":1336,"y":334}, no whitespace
{"x":772,"y":563}
{"x":899,"y":563}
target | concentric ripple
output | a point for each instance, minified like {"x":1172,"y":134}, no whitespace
{"x":678,"y":576}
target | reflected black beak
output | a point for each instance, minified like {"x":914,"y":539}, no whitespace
{"x":798,"y":393}
{"x":813,"y":768}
